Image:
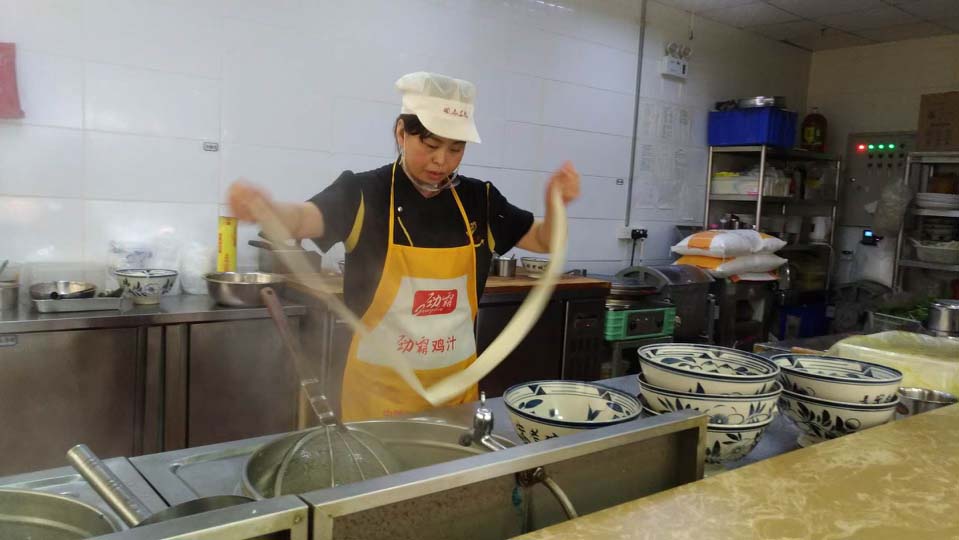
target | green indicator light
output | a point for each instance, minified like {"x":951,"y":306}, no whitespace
{"x":872,"y":146}
{"x":882,"y":146}
{"x":892,"y":147}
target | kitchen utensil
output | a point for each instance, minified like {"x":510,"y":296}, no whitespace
{"x":3,"y":266}
{"x":269,"y":261}
{"x":126,"y":504}
{"x":332,"y":450}
{"x":62,"y":290}
{"x":9,"y":295}
{"x":504,"y":267}
{"x":943,"y":319}
{"x":919,"y":400}
{"x":242,"y":289}
{"x":78,"y":304}
{"x":45,"y":516}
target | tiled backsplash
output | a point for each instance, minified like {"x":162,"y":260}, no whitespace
{"x":121,"y":95}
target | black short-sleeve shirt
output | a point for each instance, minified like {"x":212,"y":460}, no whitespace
{"x":433,"y":222}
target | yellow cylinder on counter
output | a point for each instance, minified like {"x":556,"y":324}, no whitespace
{"x":226,"y":244}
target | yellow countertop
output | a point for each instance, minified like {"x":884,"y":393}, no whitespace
{"x":899,"y":480}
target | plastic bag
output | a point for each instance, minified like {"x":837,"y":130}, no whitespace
{"x":747,"y":264}
{"x":198,"y":260}
{"x":728,"y":243}
{"x":925,"y":361}
{"x":875,"y":263}
{"x":893,"y":201}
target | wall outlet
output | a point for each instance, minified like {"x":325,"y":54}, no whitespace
{"x":676,"y":68}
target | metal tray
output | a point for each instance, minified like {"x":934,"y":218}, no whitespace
{"x":78,"y":304}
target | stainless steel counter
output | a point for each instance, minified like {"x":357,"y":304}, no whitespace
{"x":171,"y":310}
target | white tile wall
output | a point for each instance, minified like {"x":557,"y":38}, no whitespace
{"x":41,"y":229}
{"x":135,"y":100}
{"x":121,"y":94}
{"x":145,"y":168}
{"x":40,"y":161}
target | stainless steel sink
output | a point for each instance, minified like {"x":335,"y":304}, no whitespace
{"x":411,"y":443}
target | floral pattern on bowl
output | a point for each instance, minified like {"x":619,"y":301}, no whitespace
{"x":729,"y":443}
{"x":546,"y":409}
{"x":838,"y":379}
{"x":707,"y":369}
{"x":722,"y":409}
{"x":820,"y":419}
{"x":146,"y":285}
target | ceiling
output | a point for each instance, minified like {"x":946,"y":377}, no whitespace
{"x":817,"y":25}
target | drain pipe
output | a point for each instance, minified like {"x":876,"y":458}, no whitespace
{"x":639,"y":80}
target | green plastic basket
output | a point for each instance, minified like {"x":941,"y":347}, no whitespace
{"x":617,"y":323}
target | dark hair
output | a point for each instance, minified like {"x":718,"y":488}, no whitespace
{"x":411,"y":126}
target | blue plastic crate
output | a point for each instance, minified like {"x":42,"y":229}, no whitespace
{"x":762,"y":125}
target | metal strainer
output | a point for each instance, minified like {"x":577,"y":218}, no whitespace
{"x":330,"y":455}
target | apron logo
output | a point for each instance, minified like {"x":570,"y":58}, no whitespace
{"x":426,"y":303}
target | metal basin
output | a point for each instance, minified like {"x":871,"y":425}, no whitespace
{"x":43,"y":516}
{"x":413,"y":443}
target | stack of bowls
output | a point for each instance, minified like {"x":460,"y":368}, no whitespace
{"x":828,"y":397}
{"x":738,"y":391}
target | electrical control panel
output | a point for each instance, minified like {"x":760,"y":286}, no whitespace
{"x":873,"y":160}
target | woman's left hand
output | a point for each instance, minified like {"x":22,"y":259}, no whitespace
{"x":566,"y":180}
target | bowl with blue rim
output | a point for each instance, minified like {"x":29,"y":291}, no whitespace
{"x":838,"y":379}
{"x":146,"y":285}
{"x":541,"y":410}
{"x":821,"y":419}
{"x":707,"y":369}
{"x":729,"y":442}
{"x":723,"y":409}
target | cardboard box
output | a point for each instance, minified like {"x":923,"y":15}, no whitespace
{"x":938,"y":122}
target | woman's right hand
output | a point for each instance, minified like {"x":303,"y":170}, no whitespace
{"x":242,"y":196}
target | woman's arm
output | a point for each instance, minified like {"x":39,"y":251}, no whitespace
{"x":303,"y":219}
{"x":566,"y":180}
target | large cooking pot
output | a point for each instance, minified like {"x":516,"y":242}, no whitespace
{"x":44,"y":516}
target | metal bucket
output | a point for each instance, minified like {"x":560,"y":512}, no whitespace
{"x":414,"y":444}
{"x":44,"y":516}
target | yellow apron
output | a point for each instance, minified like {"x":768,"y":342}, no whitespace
{"x":424,"y":306}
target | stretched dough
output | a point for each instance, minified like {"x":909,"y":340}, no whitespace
{"x":453,"y":385}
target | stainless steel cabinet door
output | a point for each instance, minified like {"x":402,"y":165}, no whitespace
{"x":58,"y":389}
{"x":241,"y":382}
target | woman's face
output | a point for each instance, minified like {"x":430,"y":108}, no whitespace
{"x":429,"y":159}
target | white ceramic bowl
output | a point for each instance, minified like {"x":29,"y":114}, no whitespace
{"x":838,"y":379}
{"x":534,"y":265}
{"x":729,"y":443}
{"x":144,"y":285}
{"x":543,"y":410}
{"x":723,"y":409}
{"x":707,"y":369}
{"x":820,"y":419}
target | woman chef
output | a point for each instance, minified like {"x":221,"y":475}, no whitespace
{"x":418,"y":239}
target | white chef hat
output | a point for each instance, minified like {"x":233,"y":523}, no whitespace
{"x":443,"y":104}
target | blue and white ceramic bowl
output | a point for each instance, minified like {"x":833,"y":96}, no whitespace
{"x":543,"y":410}
{"x":838,"y":379}
{"x":706,"y":369}
{"x":820,"y":419}
{"x":144,"y":285}
{"x":729,"y":443}
{"x":723,"y":409}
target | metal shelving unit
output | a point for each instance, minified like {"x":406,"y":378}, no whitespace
{"x":765,"y":204}
{"x":926,"y":163}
